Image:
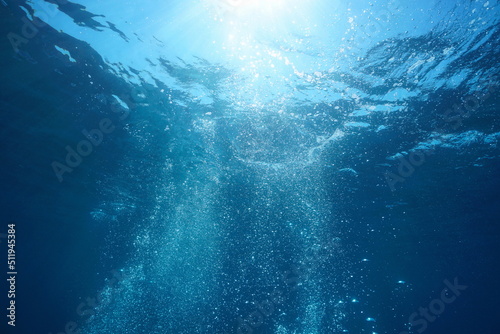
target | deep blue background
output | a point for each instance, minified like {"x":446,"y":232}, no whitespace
{"x":448,"y":227}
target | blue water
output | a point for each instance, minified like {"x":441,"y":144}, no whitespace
{"x":251,"y":166}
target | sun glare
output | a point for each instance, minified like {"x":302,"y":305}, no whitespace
{"x":255,"y":3}
{"x":250,"y":7}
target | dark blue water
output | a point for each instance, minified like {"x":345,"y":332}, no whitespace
{"x":251,"y":166}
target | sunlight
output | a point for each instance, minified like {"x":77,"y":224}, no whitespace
{"x":257,"y":4}
{"x":258,"y":9}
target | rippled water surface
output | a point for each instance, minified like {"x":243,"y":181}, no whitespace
{"x":251,"y":166}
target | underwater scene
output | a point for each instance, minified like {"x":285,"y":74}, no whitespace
{"x":250,"y":167}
